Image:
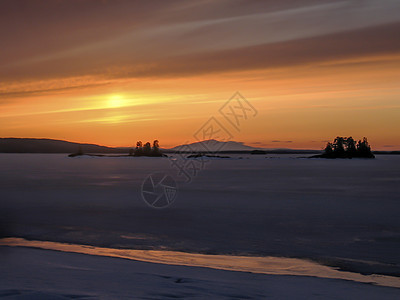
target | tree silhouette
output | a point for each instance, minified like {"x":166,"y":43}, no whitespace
{"x":345,"y":147}
{"x":156,"y":148}
{"x":338,"y":145}
{"x":139,"y":149}
{"x":147,"y":149}
{"x":329,"y":148}
{"x":363,"y":148}
{"x":351,"y":147}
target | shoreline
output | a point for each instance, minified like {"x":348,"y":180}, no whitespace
{"x":252,"y":264}
{"x":33,"y":273}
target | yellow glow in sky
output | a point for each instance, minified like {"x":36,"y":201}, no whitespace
{"x":116,"y":101}
{"x":299,"y":107}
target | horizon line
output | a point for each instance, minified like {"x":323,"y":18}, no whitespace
{"x":133,"y":146}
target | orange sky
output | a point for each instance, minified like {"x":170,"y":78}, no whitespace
{"x":112,"y":73}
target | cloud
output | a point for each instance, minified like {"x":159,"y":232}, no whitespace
{"x":36,"y":92}
{"x":276,"y":141}
{"x":139,"y":39}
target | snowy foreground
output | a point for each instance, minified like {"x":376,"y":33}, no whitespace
{"x":340,"y":215}
{"x":40,"y":274}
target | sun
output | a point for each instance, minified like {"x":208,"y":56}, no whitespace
{"x":115,"y":101}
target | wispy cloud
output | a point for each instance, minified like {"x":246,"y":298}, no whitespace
{"x":277,"y":141}
{"x":143,"y":40}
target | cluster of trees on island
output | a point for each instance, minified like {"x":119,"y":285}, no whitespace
{"x":347,"y":147}
{"x":140,"y":150}
{"x":146,"y":149}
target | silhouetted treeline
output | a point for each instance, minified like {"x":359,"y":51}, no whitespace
{"x":140,"y":150}
{"x":347,"y":147}
{"x":146,"y":149}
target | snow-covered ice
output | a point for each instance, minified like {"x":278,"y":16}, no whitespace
{"x":341,"y":213}
{"x":40,"y":274}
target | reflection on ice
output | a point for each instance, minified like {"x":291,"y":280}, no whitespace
{"x":263,"y":265}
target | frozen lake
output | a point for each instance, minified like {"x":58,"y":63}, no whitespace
{"x":342,"y":213}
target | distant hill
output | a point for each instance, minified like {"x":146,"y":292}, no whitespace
{"x":214,"y":146}
{"x":29,"y":145}
{"x":234,"y":147}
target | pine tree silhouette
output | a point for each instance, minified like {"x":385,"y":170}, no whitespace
{"x":346,"y":147}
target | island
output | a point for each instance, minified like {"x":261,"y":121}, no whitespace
{"x":140,"y":150}
{"x":346,"y":147}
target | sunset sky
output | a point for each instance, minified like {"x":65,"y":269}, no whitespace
{"x":114,"y":72}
